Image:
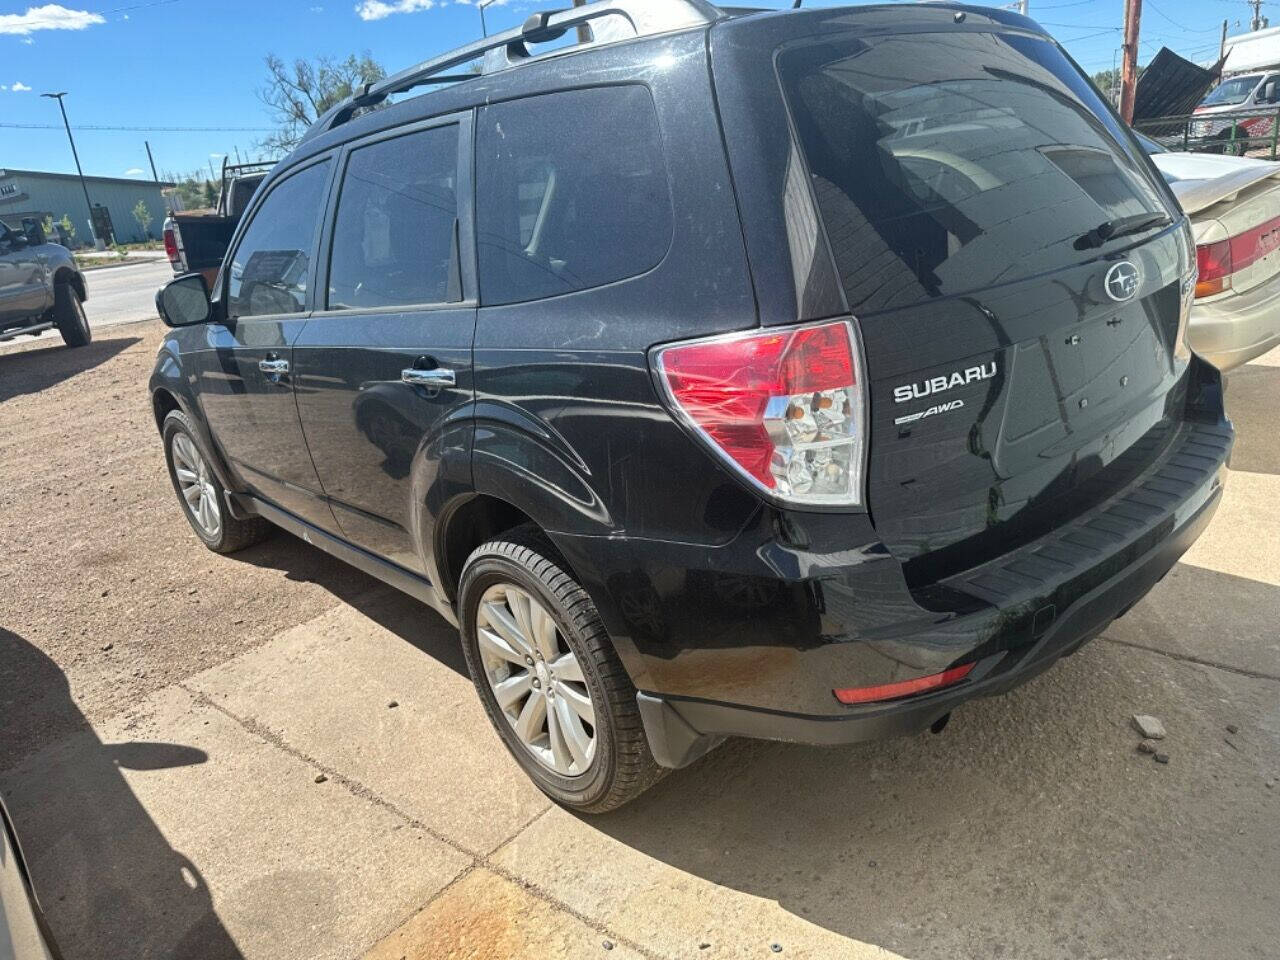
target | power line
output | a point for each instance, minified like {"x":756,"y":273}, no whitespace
{"x":54,"y":126}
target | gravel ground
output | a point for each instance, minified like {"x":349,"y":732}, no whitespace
{"x":96,"y":552}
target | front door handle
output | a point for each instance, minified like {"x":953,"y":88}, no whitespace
{"x":439,"y":377}
{"x":274,"y":367}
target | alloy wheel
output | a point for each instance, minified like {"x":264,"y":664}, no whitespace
{"x":195,"y":483}
{"x":536,"y":679}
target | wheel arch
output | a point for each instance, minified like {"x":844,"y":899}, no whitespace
{"x":65,"y":275}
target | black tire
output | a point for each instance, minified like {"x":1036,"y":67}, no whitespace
{"x":68,"y":316}
{"x":232,"y":533}
{"x":622,"y":767}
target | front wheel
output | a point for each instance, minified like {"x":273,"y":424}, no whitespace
{"x":68,"y":316}
{"x":549,"y":678}
{"x":200,"y":493}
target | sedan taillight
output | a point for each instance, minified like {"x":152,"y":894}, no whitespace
{"x":784,"y":407}
{"x":1219,"y":260}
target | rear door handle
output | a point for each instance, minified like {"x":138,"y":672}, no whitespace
{"x":274,"y":367}
{"x":439,"y":377}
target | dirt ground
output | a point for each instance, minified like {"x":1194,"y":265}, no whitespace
{"x":98,"y":569}
{"x":203,"y":762}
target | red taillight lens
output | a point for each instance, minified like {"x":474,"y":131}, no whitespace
{"x":170,"y":245}
{"x":905,"y":688}
{"x":1214,"y":262}
{"x":783,"y":406}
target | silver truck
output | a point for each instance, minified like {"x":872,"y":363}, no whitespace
{"x":41,"y":287}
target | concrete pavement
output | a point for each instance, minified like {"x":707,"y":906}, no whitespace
{"x":190,"y":824}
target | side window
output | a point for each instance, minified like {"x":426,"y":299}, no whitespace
{"x":571,"y":192}
{"x":268,"y":273}
{"x":393,"y":239}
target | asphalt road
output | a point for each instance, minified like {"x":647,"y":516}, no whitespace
{"x":270,"y":755}
{"x":124,"y":294}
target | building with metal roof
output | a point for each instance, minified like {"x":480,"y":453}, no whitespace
{"x":36,"y":194}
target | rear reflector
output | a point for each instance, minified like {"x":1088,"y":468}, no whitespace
{"x":784,"y":407}
{"x":170,"y":245}
{"x":904,"y":688}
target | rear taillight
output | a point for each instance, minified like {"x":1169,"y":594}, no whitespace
{"x":170,"y":244}
{"x":1219,"y":260}
{"x":784,"y":407}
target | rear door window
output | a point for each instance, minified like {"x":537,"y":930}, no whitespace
{"x":393,"y":240}
{"x":944,"y":164}
{"x":571,"y":193}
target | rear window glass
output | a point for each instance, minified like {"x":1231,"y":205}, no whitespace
{"x":571,"y":193}
{"x":942,"y":164}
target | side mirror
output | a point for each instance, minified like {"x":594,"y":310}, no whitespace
{"x":1269,"y":92}
{"x":34,"y":232}
{"x":185,"y":301}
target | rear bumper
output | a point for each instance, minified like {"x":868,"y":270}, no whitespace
{"x":682,"y":729}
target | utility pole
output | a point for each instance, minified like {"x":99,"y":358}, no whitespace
{"x":1022,"y":8}
{"x":484,"y":29}
{"x":1129,"y":66}
{"x":83,"y":186}
{"x":584,"y":31}
{"x":152,"y":161}
{"x":1257,"y":22}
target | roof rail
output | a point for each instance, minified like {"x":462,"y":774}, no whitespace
{"x":626,"y":19}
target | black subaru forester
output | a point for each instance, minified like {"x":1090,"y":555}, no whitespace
{"x":796,"y":375}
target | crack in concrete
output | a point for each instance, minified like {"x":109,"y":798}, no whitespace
{"x":478,"y":859}
{"x":1191,"y":658}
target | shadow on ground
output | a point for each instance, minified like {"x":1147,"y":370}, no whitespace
{"x":125,"y":892}
{"x":409,"y":619}
{"x":1252,"y":393}
{"x":30,"y":371}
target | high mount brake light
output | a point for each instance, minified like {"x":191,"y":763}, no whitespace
{"x":785,"y":407}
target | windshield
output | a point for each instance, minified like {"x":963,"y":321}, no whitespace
{"x":947,"y":163}
{"x":1235,"y":90}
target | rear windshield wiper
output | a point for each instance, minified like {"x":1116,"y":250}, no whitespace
{"x":1121,"y":227}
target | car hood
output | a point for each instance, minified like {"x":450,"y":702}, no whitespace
{"x":1200,"y":180}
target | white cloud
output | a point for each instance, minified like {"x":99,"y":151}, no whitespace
{"x":28,"y":40}
{"x":316,"y":9}
{"x":51,"y":16}
{"x":133,"y":171}
{"x":377,"y":9}
{"x":216,"y":156}
{"x":20,"y":87}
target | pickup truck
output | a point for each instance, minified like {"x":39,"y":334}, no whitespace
{"x":196,"y":240}
{"x":40,"y":287}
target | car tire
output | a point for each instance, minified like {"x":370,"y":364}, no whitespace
{"x":68,"y":316}
{"x":201,"y":494}
{"x":522,"y":563}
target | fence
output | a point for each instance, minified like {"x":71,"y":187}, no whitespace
{"x":1240,"y":133}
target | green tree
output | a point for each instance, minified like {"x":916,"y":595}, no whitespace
{"x":210,"y":194}
{"x":295,"y":94}
{"x":144,"y":218}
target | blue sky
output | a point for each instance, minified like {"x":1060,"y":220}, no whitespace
{"x":198,"y":63}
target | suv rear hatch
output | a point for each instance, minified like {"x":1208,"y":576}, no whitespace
{"x":1018,"y":274}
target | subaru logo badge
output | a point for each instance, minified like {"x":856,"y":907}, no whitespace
{"x":1121,"y":281}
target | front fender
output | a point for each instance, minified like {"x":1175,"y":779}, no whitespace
{"x":171,"y":377}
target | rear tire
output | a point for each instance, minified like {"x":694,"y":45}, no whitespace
{"x":620,"y":766}
{"x":201,"y":495}
{"x":68,"y":316}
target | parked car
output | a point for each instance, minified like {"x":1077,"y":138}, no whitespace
{"x":811,"y":422}
{"x":196,"y":240}
{"x":24,"y":932}
{"x":1234,"y":206}
{"x":40,"y":287}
